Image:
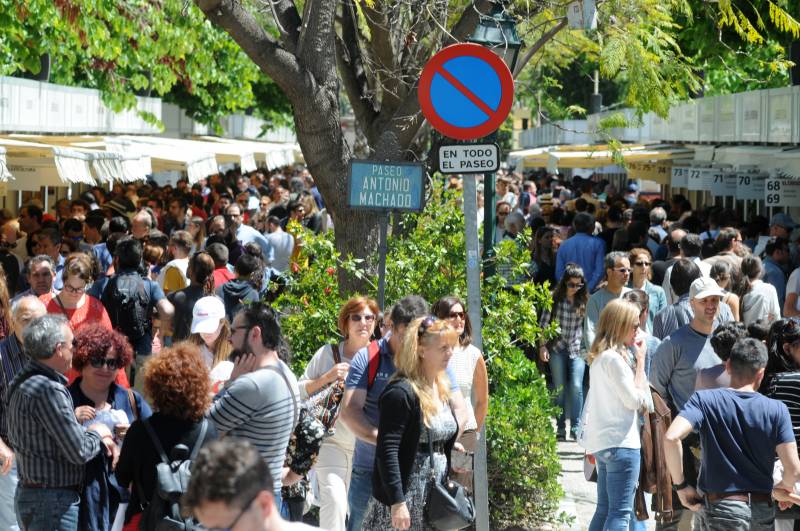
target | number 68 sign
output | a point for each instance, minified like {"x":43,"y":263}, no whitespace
{"x":782,"y":192}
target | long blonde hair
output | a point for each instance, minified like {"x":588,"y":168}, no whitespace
{"x":614,"y":326}
{"x":221,"y":349}
{"x":409,"y":362}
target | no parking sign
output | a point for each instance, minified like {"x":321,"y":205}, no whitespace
{"x":465,"y":91}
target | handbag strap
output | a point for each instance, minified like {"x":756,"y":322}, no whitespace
{"x":337,"y":357}
{"x":132,"y":401}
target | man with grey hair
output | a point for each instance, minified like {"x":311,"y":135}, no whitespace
{"x":656,"y":232}
{"x":12,"y":359}
{"x":51,"y":446}
{"x":40,"y":271}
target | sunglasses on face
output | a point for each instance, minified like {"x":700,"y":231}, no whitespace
{"x":574,"y":285}
{"x":622,"y":270}
{"x":457,"y":315}
{"x":357,"y":317}
{"x":642,"y":264}
{"x":111,"y":363}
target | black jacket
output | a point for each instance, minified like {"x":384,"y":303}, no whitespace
{"x":399,"y":433}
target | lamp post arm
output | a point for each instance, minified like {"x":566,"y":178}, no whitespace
{"x":544,"y":39}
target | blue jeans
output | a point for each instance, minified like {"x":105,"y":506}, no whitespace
{"x":737,"y":516}
{"x":8,"y":487}
{"x":358,"y":497}
{"x":617,"y":475}
{"x":47,"y":509}
{"x":568,"y":381}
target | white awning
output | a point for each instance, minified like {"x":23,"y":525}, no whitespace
{"x":272,"y":154}
{"x":168,"y":157}
{"x":34,"y":165}
{"x":787,"y":163}
{"x":5,"y":175}
{"x":224,"y":152}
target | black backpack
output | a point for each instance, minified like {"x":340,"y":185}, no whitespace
{"x":127,"y":301}
{"x":163,"y":513}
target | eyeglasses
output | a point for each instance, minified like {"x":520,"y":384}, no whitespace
{"x":622,"y":270}
{"x":111,"y":363}
{"x":357,"y":317}
{"x":73,"y":289}
{"x":642,"y":264}
{"x":457,"y":315}
{"x":425,"y":324}
{"x":238,"y":516}
{"x":502,"y":213}
{"x":574,"y":285}
{"x":73,"y":344}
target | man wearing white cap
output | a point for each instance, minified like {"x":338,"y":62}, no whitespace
{"x":678,"y":359}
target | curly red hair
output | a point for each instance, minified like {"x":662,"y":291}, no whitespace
{"x":95,"y":341}
{"x":177,"y":382}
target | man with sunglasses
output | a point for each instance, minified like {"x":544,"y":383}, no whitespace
{"x":231,"y":490}
{"x":51,"y":445}
{"x":618,"y":272}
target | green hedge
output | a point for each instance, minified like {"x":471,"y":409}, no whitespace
{"x":429,"y":260}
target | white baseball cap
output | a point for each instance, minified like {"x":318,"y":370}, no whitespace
{"x":206,"y":315}
{"x":705,"y":287}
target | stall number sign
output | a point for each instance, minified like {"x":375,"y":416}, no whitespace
{"x":700,"y":179}
{"x":385,"y":185}
{"x":750,"y":186}
{"x":724,"y":184}
{"x":680,"y":176}
{"x":782,"y":192}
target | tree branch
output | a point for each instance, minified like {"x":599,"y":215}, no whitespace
{"x":288,"y":20}
{"x":353,"y":74}
{"x":280,"y":65}
{"x":384,"y":54}
{"x":549,"y":34}
{"x":315,"y":47}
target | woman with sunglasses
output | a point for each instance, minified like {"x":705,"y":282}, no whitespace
{"x":328,"y":367}
{"x":641,"y":262}
{"x":80,"y":308}
{"x":417,"y":428}
{"x":99,"y":355}
{"x":469,"y":368}
{"x":563,"y":353}
{"x":610,"y":430}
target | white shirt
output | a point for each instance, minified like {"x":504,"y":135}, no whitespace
{"x":761,"y":302}
{"x":672,"y":297}
{"x":463,"y":363}
{"x":793,"y":286}
{"x":611,"y":415}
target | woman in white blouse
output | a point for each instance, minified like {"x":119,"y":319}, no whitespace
{"x":329,"y":366}
{"x":469,"y":367}
{"x":611,"y":421}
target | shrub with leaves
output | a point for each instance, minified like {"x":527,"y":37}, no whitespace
{"x":429,"y":260}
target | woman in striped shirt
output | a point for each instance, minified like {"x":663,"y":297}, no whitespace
{"x":563,"y":353}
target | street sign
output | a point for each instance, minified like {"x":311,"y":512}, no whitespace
{"x":377,"y":185}
{"x":465,"y":91}
{"x":469,"y":158}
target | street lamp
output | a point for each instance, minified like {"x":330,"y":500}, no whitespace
{"x":497,"y":31}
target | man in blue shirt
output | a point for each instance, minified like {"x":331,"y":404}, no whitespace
{"x":247,"y":234}
{"x":776,"y":259}
{"x":583,"y":249}
{"x":360,"y":411}
{"x":740,"y":433}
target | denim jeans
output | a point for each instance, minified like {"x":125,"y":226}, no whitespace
{"x":47,"y":509}
{"x":568,"y":381}
{"x":358,"y":497}
{"x":617,"y":474}
{"x":737,"y":516}
{"x":8,"y":487}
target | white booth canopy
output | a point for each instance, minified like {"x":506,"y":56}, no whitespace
{"x":272,"y":154}
{"x":34,"y":165}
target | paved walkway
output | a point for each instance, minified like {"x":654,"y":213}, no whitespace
{"x":580,"y":496}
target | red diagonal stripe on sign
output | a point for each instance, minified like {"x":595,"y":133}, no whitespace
{"x":479,"y":103}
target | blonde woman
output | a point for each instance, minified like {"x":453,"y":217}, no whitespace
{"x":414,"y":409}
{"x":611,"y":420}
{"x":211,"y":332}
{"x":327,"y":367}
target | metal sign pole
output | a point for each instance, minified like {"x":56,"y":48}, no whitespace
{"x":480,"y":481}
{"x":382,"y":249}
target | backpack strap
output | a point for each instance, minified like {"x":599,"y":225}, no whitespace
{"x":374,"y":362}
{"x":153,"y":437}
{"x":132,"y":401}
{"x":337,"y":357}
{"x":200,"y":438}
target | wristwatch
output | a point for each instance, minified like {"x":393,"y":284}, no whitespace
{"x":680,"y":486}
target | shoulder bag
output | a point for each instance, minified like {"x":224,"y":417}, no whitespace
{"x":324,"y":404}
{"x":448,"y":507}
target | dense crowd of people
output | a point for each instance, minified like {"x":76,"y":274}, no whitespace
{"x":137,"y":330}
